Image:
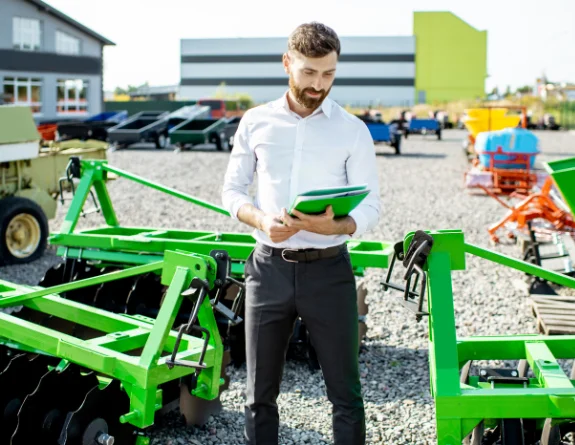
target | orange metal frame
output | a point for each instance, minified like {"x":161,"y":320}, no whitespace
{"x":536,"y":205}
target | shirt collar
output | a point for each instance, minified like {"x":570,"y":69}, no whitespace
{"x":326,"y":105}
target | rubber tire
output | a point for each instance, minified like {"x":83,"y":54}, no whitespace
{"x":397,"y":146}
{"x":10,"y":207}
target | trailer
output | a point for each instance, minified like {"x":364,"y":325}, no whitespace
{"x":423,"y":127}
{"x":231,"y":128}
{"x":382,"y":132}
{"x":200,"y":131}
{"x":152,"y":126}
{"x":95,"y":127}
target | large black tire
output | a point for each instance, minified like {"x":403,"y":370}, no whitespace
{"x":23,"y":231}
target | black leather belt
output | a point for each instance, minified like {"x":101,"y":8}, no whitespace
{"x":303,"y":255}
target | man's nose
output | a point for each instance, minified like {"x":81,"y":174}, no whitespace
{"x":317,"y":84}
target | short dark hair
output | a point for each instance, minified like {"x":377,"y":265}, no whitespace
{"x":314,"y":40}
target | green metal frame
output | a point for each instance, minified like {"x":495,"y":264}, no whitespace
{"x":141,"y":374}
{"x":461,"y":406}
{"x":563,"y":173}
{"x":140,"y":245}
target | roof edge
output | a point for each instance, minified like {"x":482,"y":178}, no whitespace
{"x":56,"y":13}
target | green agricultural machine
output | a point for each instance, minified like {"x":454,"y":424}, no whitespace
{"x":494,"y":405}
{"x":132,"y":323}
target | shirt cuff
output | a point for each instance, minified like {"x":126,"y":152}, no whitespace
{"x":237,"y":204}
{"x":360,"y":222}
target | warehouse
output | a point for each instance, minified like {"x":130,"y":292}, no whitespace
{"x":49,"y":62}
{"x":377,"y":71}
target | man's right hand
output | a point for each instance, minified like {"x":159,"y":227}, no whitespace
{"x":271,"y":224}
{"x":275,"y":229}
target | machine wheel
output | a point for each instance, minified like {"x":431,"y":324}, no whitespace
{"x":397,"y":146}
{"x":221,"y":142}
{"x":162,"y":141}
{"x":23,"y":230}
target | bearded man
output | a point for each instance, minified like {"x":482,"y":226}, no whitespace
{"x":300,"y":265}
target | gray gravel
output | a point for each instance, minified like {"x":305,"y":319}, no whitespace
{"x":421,"y":189}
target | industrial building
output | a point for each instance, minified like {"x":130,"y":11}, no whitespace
{"x":49,"y":61}
{"x":444,"y":59}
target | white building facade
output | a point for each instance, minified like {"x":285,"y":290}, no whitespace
{"x":376,"y":71}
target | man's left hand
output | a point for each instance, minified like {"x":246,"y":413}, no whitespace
{"x":324,"y":224}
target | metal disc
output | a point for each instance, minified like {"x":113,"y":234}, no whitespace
{"x":100,"y":407}
{"x":113,"y":295}
{"x":145,"y":296}
{"x":19,"y":379}
{"x":44,"y":411}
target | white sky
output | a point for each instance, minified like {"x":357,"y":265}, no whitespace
{"x":525,"y":37}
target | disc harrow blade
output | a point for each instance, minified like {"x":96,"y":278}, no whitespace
{"x":4,"y":358}
{"x":145,"y":296}
{"x":112,"y":296}
{"x":19,"y":379}
{"x":69,"y":271}
{"x":44,"y":411}
{"x":97,"y":420}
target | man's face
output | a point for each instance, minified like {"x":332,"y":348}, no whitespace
{"x":310,"y":79}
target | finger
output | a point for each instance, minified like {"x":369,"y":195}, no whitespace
{"x":329,"y":212}
{"x":287,"y":219}
{"x":300,"y":215}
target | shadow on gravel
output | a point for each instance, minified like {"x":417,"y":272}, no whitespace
{"x":226,"y":427}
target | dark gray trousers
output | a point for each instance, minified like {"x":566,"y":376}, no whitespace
{"x":323,"y":294}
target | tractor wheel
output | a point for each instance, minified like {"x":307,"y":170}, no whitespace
{"x":23,"y":230}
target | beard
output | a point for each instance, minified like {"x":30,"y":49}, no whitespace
{"x":303,"y":99}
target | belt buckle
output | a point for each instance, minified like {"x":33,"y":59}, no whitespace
{"x":286,"y":259}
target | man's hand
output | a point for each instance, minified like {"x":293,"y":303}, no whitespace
{"x":324,"y":224}
{"x":275,"y":230}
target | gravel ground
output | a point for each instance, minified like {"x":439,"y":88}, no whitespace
{"x":421,"y":189}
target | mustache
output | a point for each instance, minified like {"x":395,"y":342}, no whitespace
{"x":313,"y":90}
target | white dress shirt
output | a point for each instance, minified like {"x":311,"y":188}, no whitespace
{"x":290,"y":155}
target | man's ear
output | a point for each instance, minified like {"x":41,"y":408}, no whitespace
{"x":286,"y":62}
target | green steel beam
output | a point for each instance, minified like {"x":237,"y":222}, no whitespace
{"x":17,"y":299}
{"x":168,"y":190}
{"x":522,"y":266}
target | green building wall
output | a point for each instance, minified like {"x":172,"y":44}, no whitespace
{"x":450,"y":58}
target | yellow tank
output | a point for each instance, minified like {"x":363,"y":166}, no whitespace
{"x":478,"y":120}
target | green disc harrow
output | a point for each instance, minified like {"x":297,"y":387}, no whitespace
{"x":134,"y":322}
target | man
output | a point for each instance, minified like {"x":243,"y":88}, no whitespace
{"x":300,"y":265}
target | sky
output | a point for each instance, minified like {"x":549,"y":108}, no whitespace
{"x":524,"y":38}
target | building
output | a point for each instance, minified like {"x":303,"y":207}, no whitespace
{"x":49,"y":61}
{"x":451,"y":58}
{"x":444,"y":59}
{"x":145,"y":92}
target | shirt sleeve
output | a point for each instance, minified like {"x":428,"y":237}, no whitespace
{"x":240,"y":171}
{"x":362,"y":169}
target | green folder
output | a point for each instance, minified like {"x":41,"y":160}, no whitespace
{"x":342,"y":199}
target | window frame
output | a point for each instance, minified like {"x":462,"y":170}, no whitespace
{"x":31,"y":33}
{"x":63,"y":105}
{"x":29,"y":82}
{"x":63,"y":42}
